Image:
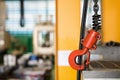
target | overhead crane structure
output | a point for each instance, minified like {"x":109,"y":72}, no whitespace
{"x":68,"y":33}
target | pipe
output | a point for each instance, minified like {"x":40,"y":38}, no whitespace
{"x":82,"y":33}
{"x":22,"y":13}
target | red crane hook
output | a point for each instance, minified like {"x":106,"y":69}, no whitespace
{"x":89,"y":43}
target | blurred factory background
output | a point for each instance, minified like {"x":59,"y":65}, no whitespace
{"x":27,"y":45}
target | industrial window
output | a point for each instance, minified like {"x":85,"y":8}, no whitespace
{"x":33,"y":9}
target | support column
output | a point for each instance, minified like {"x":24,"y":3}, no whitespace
{"x":68,"y":30}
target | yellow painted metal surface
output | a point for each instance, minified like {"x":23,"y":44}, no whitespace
{"x":67,"y":36}
{"x":64,"y":73}
{"x":111,"y":20}
{"x":68,"y":24}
